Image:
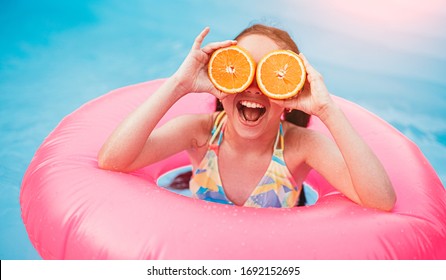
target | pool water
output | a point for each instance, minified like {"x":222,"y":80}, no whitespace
{"x":387,"y":56}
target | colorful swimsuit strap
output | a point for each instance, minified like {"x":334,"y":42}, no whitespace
{"x":282,"y":138}
{"x":275,"y":189}
{"x":218,"y":124}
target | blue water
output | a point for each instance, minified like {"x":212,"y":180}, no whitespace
{"x":387,"y":56}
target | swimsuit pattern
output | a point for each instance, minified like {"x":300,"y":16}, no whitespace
{"x":277,"y":187}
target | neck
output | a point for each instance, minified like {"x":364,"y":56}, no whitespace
{"x":260,"y":145}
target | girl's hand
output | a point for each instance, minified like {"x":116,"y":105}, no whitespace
{"x":314,"y":97}
{"x":192,"y":75}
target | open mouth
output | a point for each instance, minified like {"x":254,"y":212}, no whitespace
{"x":250,"y":111}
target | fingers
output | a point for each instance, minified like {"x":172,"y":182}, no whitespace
{"x":305,"y":60}
{"x":311,"y":72}
{"x":210,"y":48}
{"x":307,"y":64}
{"x":220,"y":95}
{"x":199,"y":39}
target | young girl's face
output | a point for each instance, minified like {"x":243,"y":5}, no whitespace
{"x":251,"y":113}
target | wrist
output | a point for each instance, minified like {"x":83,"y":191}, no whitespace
{"x":328,"y":112}
{"x":177,"y":86}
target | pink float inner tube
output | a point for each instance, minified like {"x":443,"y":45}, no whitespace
{"x":74,"y":210}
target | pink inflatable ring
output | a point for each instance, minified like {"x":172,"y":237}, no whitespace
{"x":74,"y":210}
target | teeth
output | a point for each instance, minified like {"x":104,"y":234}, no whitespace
{"x":250,"y":104}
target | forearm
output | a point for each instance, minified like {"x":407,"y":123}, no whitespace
{"x":127,"y":141}
{"x":368,"y":177}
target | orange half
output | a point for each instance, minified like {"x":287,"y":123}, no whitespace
{"x":281,"y":74}
{"x":231,"y":69}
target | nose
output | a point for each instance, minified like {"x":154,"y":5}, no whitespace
{"x":253,"y":88}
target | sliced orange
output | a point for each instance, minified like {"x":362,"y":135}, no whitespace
{"x":280,"y":74}
{"x":231,"y":69}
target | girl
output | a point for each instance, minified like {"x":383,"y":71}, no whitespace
{"x":247,"y":155}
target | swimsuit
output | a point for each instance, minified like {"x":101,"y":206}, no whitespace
{"x":277,"y":187}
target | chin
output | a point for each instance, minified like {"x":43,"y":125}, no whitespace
{"x":254,"y":130}
{"x":252,"y":115}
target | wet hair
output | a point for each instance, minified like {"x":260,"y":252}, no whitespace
{"x":283,"y":40}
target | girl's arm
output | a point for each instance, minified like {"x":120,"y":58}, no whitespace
{"x":348,"y":164}
{"x":133,"y":145}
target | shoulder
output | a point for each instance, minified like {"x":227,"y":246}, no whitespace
{"x":204,"y":121}
{"x":198,"y":132}
{"x":310,"y":146}
{"x":296,"y":134}
{"x":199,"y":127}
{"x":190,"y":129}
{"x":302,"y":139}
{"x":196,"y":121}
